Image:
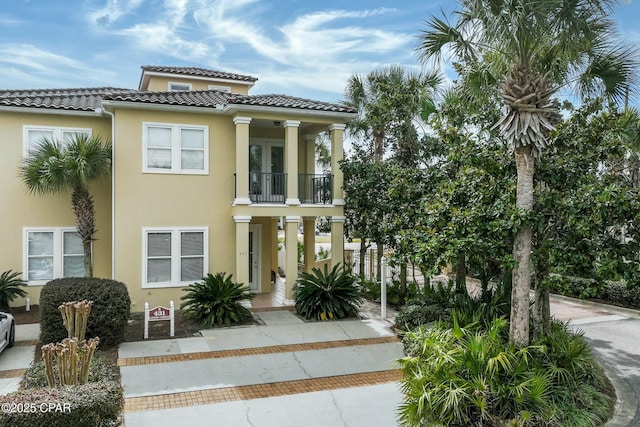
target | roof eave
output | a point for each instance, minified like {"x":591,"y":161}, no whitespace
{"x":57,"y":111}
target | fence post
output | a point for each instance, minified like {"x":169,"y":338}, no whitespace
{"x":383,"y":289}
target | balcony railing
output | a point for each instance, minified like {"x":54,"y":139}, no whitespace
{"x":315,"y":189}
{"x":272,"y":188}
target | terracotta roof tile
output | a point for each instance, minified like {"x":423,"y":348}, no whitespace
{"x":284,"y":101}
{"x":195,"y":71}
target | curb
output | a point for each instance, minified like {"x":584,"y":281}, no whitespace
{"x":622,"y":311}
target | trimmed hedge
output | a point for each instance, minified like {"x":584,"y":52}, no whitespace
{"x":572,"y":286}
{"x":621,"y":294}
{"x":88,"y":405}
{"x":99,"y":371}
{"x":109,"y":313}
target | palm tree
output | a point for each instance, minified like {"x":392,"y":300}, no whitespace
{"x":389,"y":100}
{"x":54,"y":167}
{"x":529,"y":50}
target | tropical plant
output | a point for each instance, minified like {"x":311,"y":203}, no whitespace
{"x":10,"y":288}
{"x":528,"y":50}
{"x":469,"y":375}
{"x":327,"y":295}
{"x":55,"y":166}
{"x":217,"y":300}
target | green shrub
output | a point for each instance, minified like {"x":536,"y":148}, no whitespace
{"x":573,"y":286}
{"x":462,"y":376}
{"x":334,"y":295}
{"x":88,"y":405}
{"x":109,"y":313}
{"x":11,"y":287}
{"x":416,"y":313}
{"x":99,"y":371}
{"x":621,"y":294}
{"x":217,"y":301}
{"x":370,"y":290}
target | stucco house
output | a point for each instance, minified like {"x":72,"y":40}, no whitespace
{"x":203,"y":173}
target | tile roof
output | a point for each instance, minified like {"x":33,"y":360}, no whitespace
{"x":78,"y":99}
{"x":88,"y":99}
{"x":195,"y":71}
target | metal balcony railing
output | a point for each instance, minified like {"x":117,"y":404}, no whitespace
{"x":315,"y":189}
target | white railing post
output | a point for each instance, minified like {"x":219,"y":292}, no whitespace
{"x":383,"y":288}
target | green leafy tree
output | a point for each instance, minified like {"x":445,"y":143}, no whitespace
{"x":56,"y":167}
{"x":529,"y":50}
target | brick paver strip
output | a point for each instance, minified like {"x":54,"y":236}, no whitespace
{"x":12,"y":373}
{"x":147,"y":360}
{"x":258,"y":391}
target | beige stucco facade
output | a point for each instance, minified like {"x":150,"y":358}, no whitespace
{"x":141,"y":203}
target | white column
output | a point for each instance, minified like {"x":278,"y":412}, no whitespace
{"x":337,"y":137}
{"x":291,"y":246}
{"x":291,"y":160}
{"x":309,"y":230}
{"x":337,"y":240}
{"x":242,"y":160}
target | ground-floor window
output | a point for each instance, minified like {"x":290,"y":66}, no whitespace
{"x":51,"y":253}
{"x":174,"y":256}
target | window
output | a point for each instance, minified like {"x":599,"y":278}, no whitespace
{"x":220,"y":88}
{"x":33,"y":135}
{"x":170,"y":148}
{"x":179,"y":87}
{"x":51,"y":253}
{"x":174,"y":256}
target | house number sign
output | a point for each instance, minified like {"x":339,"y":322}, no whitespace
{"x":156,"y":314}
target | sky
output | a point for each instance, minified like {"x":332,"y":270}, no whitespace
{"x":304,"y":48}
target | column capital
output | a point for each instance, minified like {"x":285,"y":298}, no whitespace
{"x":292,"y":218}
{"x":338,"y":218}
{"x":242,"y":218}
{"x":239,"y":120}
{"x":291,"y":123}
{"x":337,"y":126}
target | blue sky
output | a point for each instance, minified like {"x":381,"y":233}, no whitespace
{"x":305,"y":48}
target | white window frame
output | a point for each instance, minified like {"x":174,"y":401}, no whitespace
{"x":220,"y":88}
{"x":171,"y":87}
{"x":58,"y":132}
{"x":176,"y":255}
{"x":176,"y":148}
{"x":58,"y":252}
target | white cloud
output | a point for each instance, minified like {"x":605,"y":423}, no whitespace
{"x":25,"y":65}
{"x":113,"y":10}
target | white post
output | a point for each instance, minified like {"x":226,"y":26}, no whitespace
{"x":146,"y":320}
{"x":171,"y":314}
{"x":383,"y":288}
{"x":27,"y":304}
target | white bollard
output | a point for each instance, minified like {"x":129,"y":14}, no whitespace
{"x":27,"y":304}
{"x":383,"y":288}
{"x":172,"y":328}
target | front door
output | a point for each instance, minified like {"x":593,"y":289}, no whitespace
{"x":254,"y":257}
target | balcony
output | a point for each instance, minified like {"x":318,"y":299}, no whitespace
{"x":271,"y":188}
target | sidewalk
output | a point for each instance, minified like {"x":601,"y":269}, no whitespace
{"x":284,"y":372}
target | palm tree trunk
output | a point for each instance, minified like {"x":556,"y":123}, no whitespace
{"x":519,"y":321}
{"x":82,"y":202}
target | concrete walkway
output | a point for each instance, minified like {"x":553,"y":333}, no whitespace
{"x":283,"y":372}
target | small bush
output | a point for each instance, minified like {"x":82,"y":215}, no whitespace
{"x":108,"y":317}
{"x":11,"y":287}
{"x":321,"y":296}
{"x":370,"y":290}
{"x":217,"y":301}
{"x":416,"y":313}
{"x":91,"y":404}
{"x":621,"y":294}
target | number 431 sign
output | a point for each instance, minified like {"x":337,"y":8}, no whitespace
{"x":156,"y":314}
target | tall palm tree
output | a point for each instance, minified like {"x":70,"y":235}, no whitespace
{"x":55,"y":167}
{"x":529,"y":50}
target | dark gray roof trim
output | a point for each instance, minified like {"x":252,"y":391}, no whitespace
{"x":195,"y":71}
{"x":79,"y":99}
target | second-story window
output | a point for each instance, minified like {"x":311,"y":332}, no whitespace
{"x":179,"y":87}
{"x":174,"y":148}
{"x":33,"y":135}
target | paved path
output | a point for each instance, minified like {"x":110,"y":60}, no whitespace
{"x":285,"y":372}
